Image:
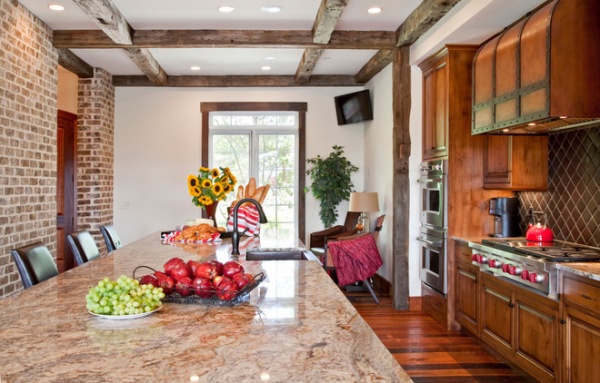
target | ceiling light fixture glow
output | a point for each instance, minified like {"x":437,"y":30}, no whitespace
{"x":271,"y":8}
{"x":56,"y":7}
{"x":374,"y":10}
{"x":226,"y":9}
{"x":265,"y":68}
{"x":195,"y":67}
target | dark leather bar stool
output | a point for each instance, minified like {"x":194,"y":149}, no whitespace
{"x":83,"y":247}
{"x":35,"y":264}
{"x":111,"y":238}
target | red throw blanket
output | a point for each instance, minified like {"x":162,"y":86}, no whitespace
{"x":355,"y":259}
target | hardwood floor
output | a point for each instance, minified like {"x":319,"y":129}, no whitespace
{"x":428,"y":352}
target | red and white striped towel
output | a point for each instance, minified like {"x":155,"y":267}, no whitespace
{"x":248,"y":218}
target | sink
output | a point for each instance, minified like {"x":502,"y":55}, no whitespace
{"x":280,"y":255}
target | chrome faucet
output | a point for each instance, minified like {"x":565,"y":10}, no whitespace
{"x":235,"y":236}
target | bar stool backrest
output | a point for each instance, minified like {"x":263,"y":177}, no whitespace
{"x":35,"y":264}
{"x":83,"y":247}
{"x":111,"y":238}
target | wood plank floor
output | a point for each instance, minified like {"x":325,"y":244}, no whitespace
{"x":427,"y":351}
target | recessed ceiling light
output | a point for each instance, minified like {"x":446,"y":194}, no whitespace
{"x":269,"y":58}
{"x":531,"y":124}
{"x":265,"y":68}
{"x":374,"y":10}
{"x":226,"y":9}
{"x":195,"y":67}
{"x":271,"y":8}
{"x":56,"y":7}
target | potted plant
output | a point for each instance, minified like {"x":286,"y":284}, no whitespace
{"x":332,"y":183}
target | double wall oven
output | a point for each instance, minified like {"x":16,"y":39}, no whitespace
{"x":433,"y":237}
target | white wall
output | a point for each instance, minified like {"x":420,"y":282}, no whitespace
{"x":157,"y":144}
{"x":379,"y":165}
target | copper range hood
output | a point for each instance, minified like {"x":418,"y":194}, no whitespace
{"x":542,"y":73}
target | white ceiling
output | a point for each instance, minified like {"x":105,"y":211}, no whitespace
{"x":296,"y":15}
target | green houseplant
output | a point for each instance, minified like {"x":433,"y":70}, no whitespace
{"x":332,"y":183}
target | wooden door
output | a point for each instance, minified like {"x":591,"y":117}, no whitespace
{"x":66,"y":142}
{"x":496,"y":315}
{"x":467,"y":297}
{"x":582,"y":347}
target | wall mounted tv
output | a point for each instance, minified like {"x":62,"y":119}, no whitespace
{"x":353,"y":107}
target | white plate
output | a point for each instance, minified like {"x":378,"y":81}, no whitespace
{"x":122,"y":317}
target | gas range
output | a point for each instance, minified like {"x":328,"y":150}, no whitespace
{"x":530,"y":264}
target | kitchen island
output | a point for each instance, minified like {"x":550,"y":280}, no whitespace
{"x":296,"y":327}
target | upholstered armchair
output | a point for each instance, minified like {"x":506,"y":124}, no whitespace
{"x":318,"y":238}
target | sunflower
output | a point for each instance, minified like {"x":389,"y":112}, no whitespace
{"x":206,"y":184}
{"x":211,"y":185}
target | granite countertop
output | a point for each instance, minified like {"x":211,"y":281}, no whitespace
{"x":296,"y":327}
{"x":585,"y":269}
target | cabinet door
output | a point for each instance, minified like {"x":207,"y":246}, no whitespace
{"x":435,"y":111}
{"x":467,"y":296}
{"x":516,"y":163}
{"x":536,"y":340}
{"x":496,"y":325}
{"x":582,"y":347}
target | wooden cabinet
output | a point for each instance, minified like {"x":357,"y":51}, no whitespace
{"x":467,"y":290}
{"x":435,"y":106}
{"x":516,"y":163}
{"x":581,"y":322}
{"x":521,"y":325}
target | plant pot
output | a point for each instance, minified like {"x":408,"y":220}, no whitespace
{"x":210,"y":211}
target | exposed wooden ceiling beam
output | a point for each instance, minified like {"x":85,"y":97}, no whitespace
{"x":327,"y":18}
{"x":375,"y":65}
{"x":94,"y":39}
{"x":73,"y":63}
{"x":426,"y":15}
{"x":112,"y":23}
{"x":108,"y":18}
{"x":237,"y":81}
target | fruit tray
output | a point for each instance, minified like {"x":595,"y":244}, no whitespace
{"x":239,"y":298}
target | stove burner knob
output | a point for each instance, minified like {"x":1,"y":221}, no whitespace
{"x":495,"y":263}
{"x":535,"y":278}
{"x":514,"y":270}
{"x":505,"y":267}
{"x":474,"y":257}
{"x":525,"y":275}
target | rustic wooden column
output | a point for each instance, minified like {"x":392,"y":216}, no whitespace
{"x":401,"y":143}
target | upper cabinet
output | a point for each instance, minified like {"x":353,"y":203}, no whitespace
{"x":435,"y":106}
{"x":516,"y":163}
{"x":541,"y":73}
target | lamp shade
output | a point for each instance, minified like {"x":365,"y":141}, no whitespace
{"x":364,"y":202}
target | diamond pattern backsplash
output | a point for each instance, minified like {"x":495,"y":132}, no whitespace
{"x":572,"y":202}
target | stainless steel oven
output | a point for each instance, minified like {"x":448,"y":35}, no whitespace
{"x":434,"y":225}
{"x":434,"y":187}
{"x":433,"y":270}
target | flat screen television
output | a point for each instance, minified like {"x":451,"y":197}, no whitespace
{"x":353,"y":107}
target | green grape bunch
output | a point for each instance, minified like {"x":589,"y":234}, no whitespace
{"x":125,"y":296}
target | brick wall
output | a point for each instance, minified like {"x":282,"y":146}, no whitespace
{"x":95,"y":154}
{"x":28,"y":83}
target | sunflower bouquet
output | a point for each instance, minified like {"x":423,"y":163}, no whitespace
{"x":210,"y":185}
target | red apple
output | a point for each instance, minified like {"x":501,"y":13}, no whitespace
{"x":218,"y":279}
{"x":203,"y":287}
{"x":206,"y":270}
{"x":149,"y":280}
{"x":219,"y":266}
{"x":230,"y":268}
{"x":193,"y":265}
{"x":172,"y":263}
{"x":184,"y":286}
{"x":181,"y":270}
{"x":226,"y":289}
{"x":241,"y":280}
{"x":167,"y":283}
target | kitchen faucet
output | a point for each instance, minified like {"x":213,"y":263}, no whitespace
{"x":235,"y":236}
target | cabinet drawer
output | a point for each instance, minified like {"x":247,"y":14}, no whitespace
{"x":584,"y":293}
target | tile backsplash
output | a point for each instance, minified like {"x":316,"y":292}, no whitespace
{"x":572,"y":202}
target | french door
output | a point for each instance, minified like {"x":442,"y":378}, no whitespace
{"x":264,"y":140}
